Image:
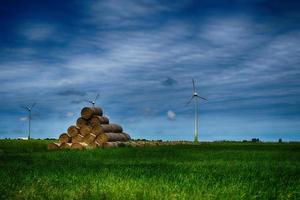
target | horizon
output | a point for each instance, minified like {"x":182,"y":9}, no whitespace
{"x":141,"y":56}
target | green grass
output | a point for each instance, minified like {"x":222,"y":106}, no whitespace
{"x":207,"y":171}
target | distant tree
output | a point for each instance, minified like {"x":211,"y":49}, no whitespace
{"x":255,"y":140}
{"x":280,"y":140}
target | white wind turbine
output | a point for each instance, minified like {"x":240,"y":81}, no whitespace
{"x":29,"y":109}
{"x":93,"y":102}
{"x":196,"y":98}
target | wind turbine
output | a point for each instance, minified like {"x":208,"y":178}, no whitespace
{"x":29,"y":109}
{"x":196,"y":98}
{"x":93,"y":102}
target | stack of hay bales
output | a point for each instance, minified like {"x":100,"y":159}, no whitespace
{"x":92,"y":130}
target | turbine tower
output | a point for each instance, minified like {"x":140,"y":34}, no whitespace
{"x":93,"y":102}
{"x":196,"y":98}
{"x":29,"y":109}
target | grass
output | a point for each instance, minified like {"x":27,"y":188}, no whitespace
{"x":207,"y":171}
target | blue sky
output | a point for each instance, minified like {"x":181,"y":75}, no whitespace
{"x":141,"y":56}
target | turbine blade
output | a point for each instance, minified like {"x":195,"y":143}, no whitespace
{"x":87,"y":101}
{"x":33,"y":105}
{"x":202,"y":98}
{"x":194,"y":89}
{"x":189,"y":101}
{"x":97,"y":97}
{"x":26,"y":108}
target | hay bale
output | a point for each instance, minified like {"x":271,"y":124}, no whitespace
{"x":81,"y":122}
{"x":89,"y":138}
{"x":64,"y":138}
{"x":77,"y":138}
{"x":106,"y":128}
{"x":88,"y":112}
{"x":73,"y":131}
{"x":79,"y":145}
{"x":85,"y":130}
{"x":53,"y":145}
{"x":110,"y":137}
{"x":116,"y":128}
{"x":127,"y":136}
{"x":110,"y":144}
{"x":66,"y":145}
{"x":97,"y":130}
{"x":123,"y":136}
{"x":94,"y":145}
{"x":112,"y":128}
{"x":124,"y":144}
{"x":134,"y":144}
{"x":98,"y":120}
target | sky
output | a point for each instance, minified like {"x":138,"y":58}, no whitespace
{"x":141,"y":56}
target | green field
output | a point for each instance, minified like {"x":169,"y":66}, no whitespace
{"x":206,"y":171}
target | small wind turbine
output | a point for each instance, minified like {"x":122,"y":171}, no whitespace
{"x":29,"y":109}
{"x":196,"y":97}
{"x":93,"y":102}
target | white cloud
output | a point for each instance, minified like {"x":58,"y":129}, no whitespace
{"x":23,"y":118}
{"x":69,"y":114}
{"x":171,"y":115}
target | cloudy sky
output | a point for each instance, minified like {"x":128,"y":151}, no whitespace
{"x":141,"y":56}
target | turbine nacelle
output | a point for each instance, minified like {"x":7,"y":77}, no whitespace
{"x":93,"y":102}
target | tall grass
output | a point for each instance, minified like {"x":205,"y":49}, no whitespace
{"x":206,"y":171}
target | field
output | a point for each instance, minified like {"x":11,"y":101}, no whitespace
{"x":206,"y":171}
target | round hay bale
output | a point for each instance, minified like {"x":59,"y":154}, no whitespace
{"x":127,"y":136}
{"x":88,"y":112}
{"x":95,"y":144}
{"x":81,"y":122}
{"x":73,"y":131}
{"x":77,"y":138}
{"x":79,"y":145}
{"x":110,"y":144}
{"x":123,"y":136}
{"x":66,"y":145}
{"x":90,"y":138}
{"x":106,"y":128}
{"x":112,"y":128}
{"x":85,"y":130}
{"x":100,"y":139}
{"x":110,"y":137}
{"x":116,"y":128}
{"x":64,"y":138}
{"x":133,"y":144}
{"x":97,"y":130}
{"x":98,"y":120}
{"x":53,"y":146}
{"x":124,"y":144}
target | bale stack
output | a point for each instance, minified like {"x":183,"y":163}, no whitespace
{"x":92,"y":130}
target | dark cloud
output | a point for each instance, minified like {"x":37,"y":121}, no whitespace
{"x":77,"y":101}
{"x":169,"y":82}
{"x":71,"y":92}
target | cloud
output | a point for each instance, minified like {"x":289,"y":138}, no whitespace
{"x":38,"y":32}
{"x":169,"y":82}
{"x":72,"y":92}
{"x":77,"y":101}
{"x":23,"y":118}
{"x":69,"y":114}
{"x":171,"y":115}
